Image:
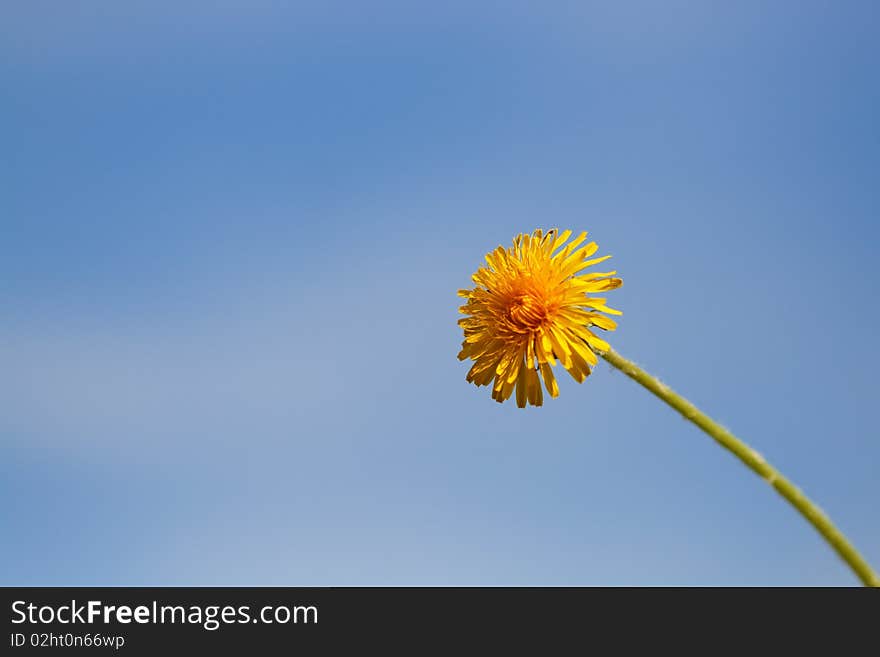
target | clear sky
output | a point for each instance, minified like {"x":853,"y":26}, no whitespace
{"x":231,"y":234}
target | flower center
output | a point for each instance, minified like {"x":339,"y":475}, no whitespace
{"x":527,"y":312}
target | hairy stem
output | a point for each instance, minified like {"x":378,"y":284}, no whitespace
{"x":812,"y":513}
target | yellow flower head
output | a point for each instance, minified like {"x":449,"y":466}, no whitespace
{"x":532,"y":306}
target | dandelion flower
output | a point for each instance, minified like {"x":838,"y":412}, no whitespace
{"x":533,"y":305}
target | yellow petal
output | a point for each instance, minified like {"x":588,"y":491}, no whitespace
{"x":533,"y":387}
{"x":578,"y":265}
{"x":582,"y":350}
{"x":560,"y":240}
{"x":549,"y":380}
{"x":544,"y":354}
{"x":602,"y":322}
{"x":597,"y":343}
{"x":521,"y":392}
{"x":571,"y":246}
{"x":560,"y":348}
{"x":579,"y":368}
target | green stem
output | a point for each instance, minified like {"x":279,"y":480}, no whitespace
{"x":755,"y":462}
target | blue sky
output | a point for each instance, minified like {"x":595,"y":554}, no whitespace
{"x":230,"y":240}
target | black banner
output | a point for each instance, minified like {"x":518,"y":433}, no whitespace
{"x":413,"y":620}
